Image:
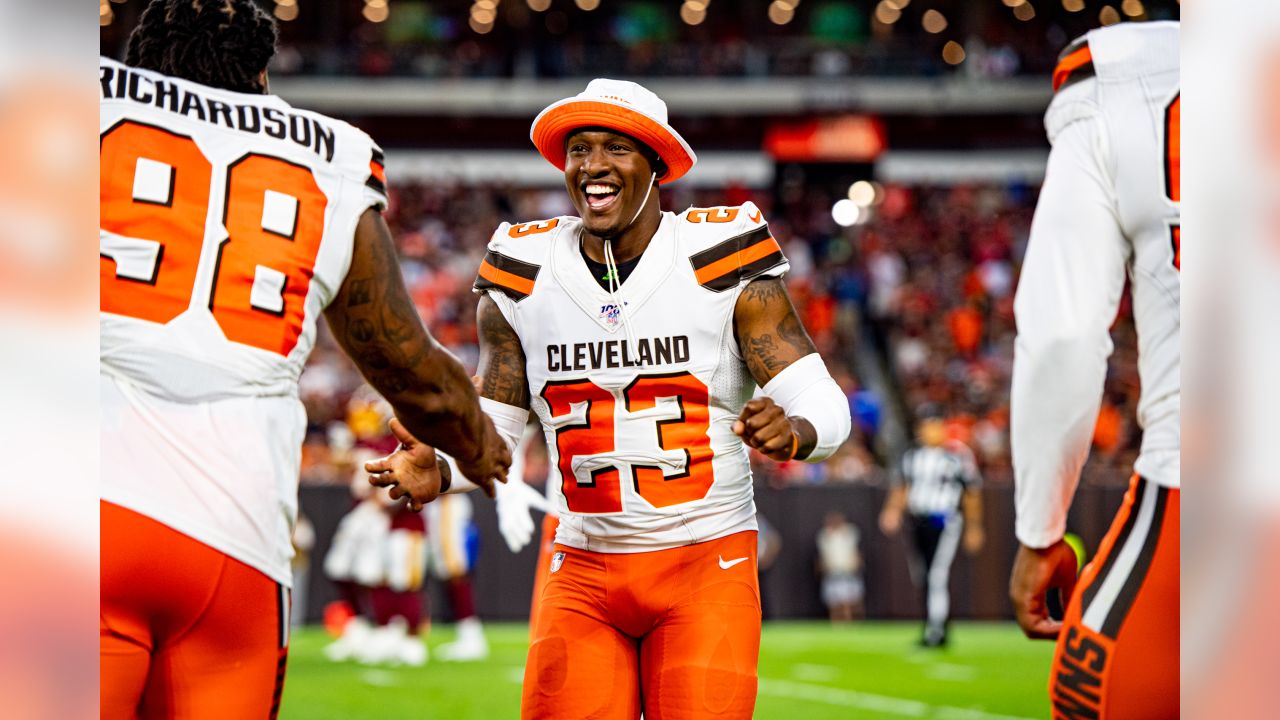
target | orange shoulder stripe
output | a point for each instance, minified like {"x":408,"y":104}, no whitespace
{"x":1069,"y":64}
{"x":508,"y":280}
{"x":739,"y":259}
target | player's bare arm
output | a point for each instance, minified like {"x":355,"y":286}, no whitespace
{"x":413,"y":469}
{"x":375,"y":322}
{"x":771,"y":338}
{"x":501,"y":370}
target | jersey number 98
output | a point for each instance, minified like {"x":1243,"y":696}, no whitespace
{"x":156,"y":204}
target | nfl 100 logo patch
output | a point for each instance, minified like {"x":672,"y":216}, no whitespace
{"x":556,"y":561}
{"x":611,"y":313}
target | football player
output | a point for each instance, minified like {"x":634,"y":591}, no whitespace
{"x":229,"y":222}
{"x":1109,"y":210}
{"x":638,"y":338}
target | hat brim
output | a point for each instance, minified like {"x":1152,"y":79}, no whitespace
{"x":553,"y":126}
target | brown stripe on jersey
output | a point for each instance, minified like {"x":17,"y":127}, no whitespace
{"x":1141,"y":566}
{"x":377,"y":172}
{"x":739,"y":258}
{"x":1075,"y":65}
{"x":512,"y":277}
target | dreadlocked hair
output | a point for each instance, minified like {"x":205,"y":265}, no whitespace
{"x":221,"y":43}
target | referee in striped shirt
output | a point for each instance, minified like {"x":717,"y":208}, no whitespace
{"x":938,"y":487}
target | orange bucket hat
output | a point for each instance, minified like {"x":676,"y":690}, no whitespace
{"x":617,"y":105}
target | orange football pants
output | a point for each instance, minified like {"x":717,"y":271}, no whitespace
{"x":546,"y":548}
{"x":1117,"y":656}
{"x":673,"y":633}
{"x":186,"y":632}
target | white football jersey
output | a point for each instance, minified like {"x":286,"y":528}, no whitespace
{"x":227,"y":226}
{"x":638,"y":402}
{"x":1108,"y":211}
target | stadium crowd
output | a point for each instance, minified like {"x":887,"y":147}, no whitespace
{"x":823,"y":39}
{"x":926,"y":284}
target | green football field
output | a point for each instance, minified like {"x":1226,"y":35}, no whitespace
{"x":808,"y":671}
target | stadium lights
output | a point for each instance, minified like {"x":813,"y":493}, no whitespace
{"x":375,"y":11}
{"x":887,"y":13}
{"x":1073,"y":5}
{"x":846,"y":212}
{"x":538,"y":5}
{"x":286,"y":10}
{"x":900,"y":4}
{"x":1024,"y":12}
{"x":781,"y":12}
{"x":1108,"y":16}
{"x":952,"y":53}
{"x":1133,"y":8}
{"x":933,"y":22}
{"x":485,"y":5}
{"x":865,"y":193}
{"x":587,"y":5}
{"x":105,"y":13}
{"x":1013,"y":3}
{"x":693,"y":12}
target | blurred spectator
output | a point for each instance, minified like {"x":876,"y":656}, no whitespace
{"x":840,"y":564}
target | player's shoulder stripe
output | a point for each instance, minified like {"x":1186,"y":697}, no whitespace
{"x":514,"y":278}
{"x":377,"y":171}
{"x":1074,"y":64}
{"x":739,"y":258}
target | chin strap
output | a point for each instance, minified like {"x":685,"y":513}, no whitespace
{"x":615,"y":282}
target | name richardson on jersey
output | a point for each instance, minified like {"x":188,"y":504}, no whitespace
{"x":123,"y":84}
{"x":616,"y":354}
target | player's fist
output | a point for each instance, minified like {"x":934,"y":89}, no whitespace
{"x":491,"y":464}
{"x":764,"y":426}
{"x":412,"y":471}
{"x":1035,"y":572}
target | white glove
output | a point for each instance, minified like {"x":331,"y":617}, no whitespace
{"x":515,"y":500}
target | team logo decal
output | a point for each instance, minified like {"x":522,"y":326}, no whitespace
{"x":611,"y":313}
{"x":556,"y":561}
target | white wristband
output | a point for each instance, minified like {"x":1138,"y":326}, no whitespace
{"x":805,"y":389}
{"x":508,"y":420}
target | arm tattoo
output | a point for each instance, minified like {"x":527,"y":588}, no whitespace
{"x":502,"y":362}
{"x":361,"y":293}
{"x":375,"y":321}
{"x":769,"y":333}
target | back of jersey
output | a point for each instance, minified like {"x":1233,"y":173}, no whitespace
{"x":226,"y":227}
{"x":1127,"y":76}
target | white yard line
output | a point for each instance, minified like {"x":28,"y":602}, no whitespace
{"x":841,"y":697}
{"x":815,"y":673}
{"x":379,"y":678}
{"x":951,"y":673}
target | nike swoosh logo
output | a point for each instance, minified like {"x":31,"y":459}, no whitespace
{"x":755,"y":218}
{"x":726,"y":565}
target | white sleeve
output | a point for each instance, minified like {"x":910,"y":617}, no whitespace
{"x":1072,"y":279}
{"x":508,"y":420}
{"x":805,"y":389}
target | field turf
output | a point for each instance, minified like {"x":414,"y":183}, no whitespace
{"x":808,"y":670}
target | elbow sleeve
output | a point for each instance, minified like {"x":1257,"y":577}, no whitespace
{"x":508,"y":420}
{"x":805,"y":389}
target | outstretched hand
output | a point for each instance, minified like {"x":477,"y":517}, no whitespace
{"x":1035,"y":572}
{"x":412,"y":470}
